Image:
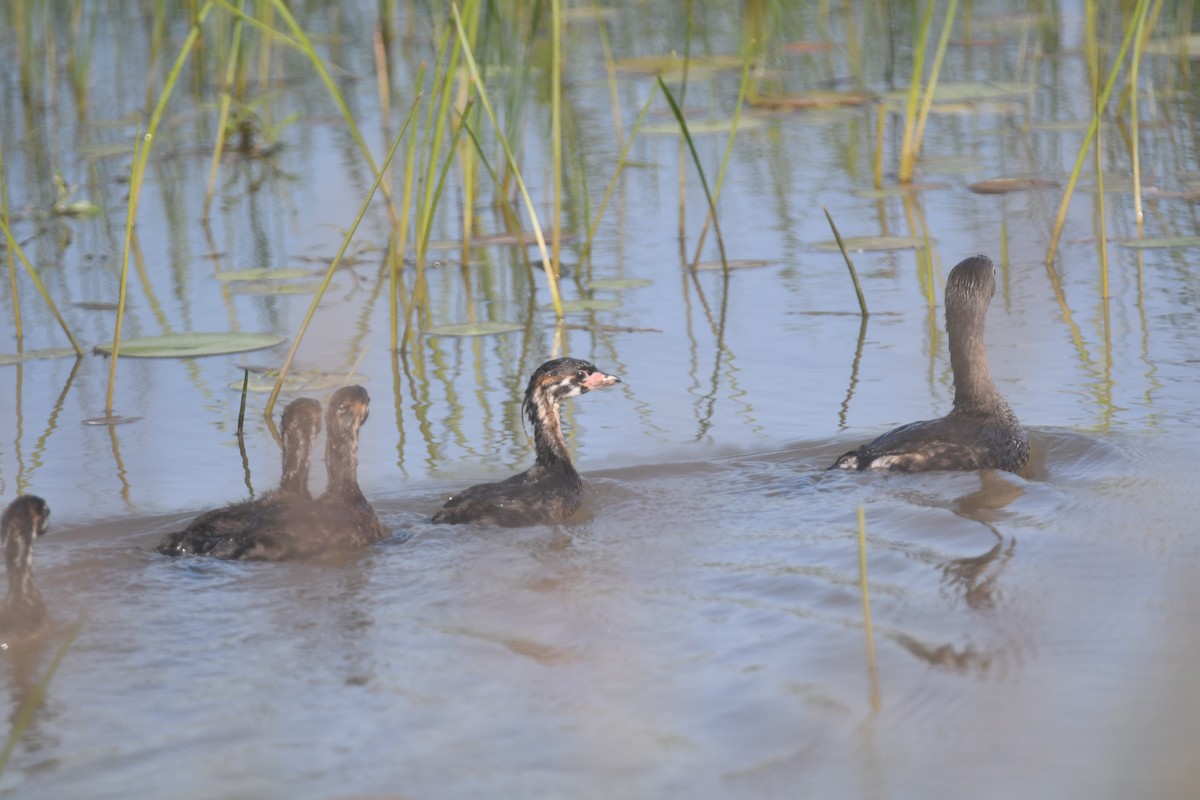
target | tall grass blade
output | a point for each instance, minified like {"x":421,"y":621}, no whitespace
{"x":550,"y":268}
{"x":226,"y":101}
{"x":333,"y":265}
{"x":12,"y":262}
{"x":15,"y":249}
{"x":712,"y":207}
{"x":914,"y":93}
{"x":862,"y":301}
{"x":909,"y":166}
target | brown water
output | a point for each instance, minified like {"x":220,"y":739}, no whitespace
{"x":700,"y":631}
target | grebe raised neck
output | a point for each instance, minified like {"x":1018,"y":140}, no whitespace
{"x":981,"y":431}
{"x":23,"y":615}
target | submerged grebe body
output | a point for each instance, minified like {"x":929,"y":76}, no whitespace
{"x":981,"y":431}
{"x":292,"y":525}
{"x":551,"y":490}
{"x":23,"y":615}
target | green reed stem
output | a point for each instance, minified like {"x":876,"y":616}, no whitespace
{"x":242,"y":406}
{"x":862,"y":301}
{"x":15,"y":249}
{"x":909,"y":167}
{"x":864,"y":589}
{"x":1061,"y":220}
{"x":226,"y":101}
{"x":712,"y":206}
{"x":907,"y":156}
{"x":333,"y":265}
{"x":401,"y":235}
{"x":141,"y":146}
{"x":556,"y":27}
{"x":12,"y":263}
{"x":439,"y":113}
{"x":547,"y":264}
{"x":1139,"y":42}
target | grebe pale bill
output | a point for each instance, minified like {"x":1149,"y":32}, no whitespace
{"x":551,"y":490}
{"x":981,"y":431}
{"x":23,"y":615}
{"x":300,"y":424}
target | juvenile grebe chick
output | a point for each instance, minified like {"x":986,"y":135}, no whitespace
{"x":23,"y":615}
{"x":551,"y":490}
{"x":340,"y":519}
{"x":300,"y":424}
{"x":981,"y":431}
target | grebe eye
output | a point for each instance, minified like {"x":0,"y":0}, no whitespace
{"x":582,"y":374}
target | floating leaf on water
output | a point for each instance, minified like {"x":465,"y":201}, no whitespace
{"x":97,"y":305}
{"x":820,"y":46}
{"x":1175,"y":46}
{"x":969,"y":90}
{"x":900,"y":189}
{"x":864,"y":244}
{"x":189,"y":345}
{"x":112,"y":419}
{"x":77,"y":208}
{"x":801,"y":102}
{"x":744,"y":263}
{"x":260,"y":288}
{"x":621,"y":283}
{"x":704,"y":126}
{"x":33,"y":355}
{"x":263,"y":380}
{"x":670,"y":63}
{"x":474,"y":329}
{"x":1006,"y":185}
{"x":585,"y":305}
{"x":1161,"y":242}
{"x":263,"y":274}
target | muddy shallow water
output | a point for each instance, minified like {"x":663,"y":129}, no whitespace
{"x":699,"y":630}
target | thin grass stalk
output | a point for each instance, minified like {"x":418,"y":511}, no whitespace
{"x":1139,"y":42}
{"x":226,"y":101}
{"x":443,"y":81}
{"x":1061,"y":220}
{"x":930,"y":88}
{"x":469,"y":57}
{"x":1098,"y":152}
{"x":441,"y":179}
{"x":12,"y":262}
{"x":612,"y":184}
{"x":914,"y":93}
{"x":862,"y":301}
{"x":16,"y":249}
{"x":333,"y":265}
{"x":880,"y":129}
{"x":137,"y":174}
{"x":610,"y":73}
{"x":556,"y":131}
{"x":401,"y":236}
{"x":683,"y":84}
{"x":34,"y":699}
{"x":743,"y":86}
{"x":712,"y":207}
{"x":864,"y":589}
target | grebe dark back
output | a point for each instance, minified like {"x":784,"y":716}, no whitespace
{"x":551,"y":490}
{"x":23,"y":615}
{"x":981,"y":431}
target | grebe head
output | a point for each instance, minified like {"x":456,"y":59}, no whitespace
{"x":565,"y":377}
{"x":970,"y":287}
{"x":348,"y":410}
{"x":27,"y":513}
{"x":302,"y":418}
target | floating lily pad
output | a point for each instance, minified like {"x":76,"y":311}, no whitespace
{"x":474,"y":329}
{"x":1176,"y":46}
{"x":703,"y":126}
{"x":969,"y":90}
{"x":260,"y":288}
{"x":76,"y":208}
{"x":1006,"y":185}
{"x":296,"y":381}
{"x":744,"y":263}
{"x":263,"y":274}
{"x":900,"y":189}
{"x":189,"y":345}
{"x":33,"y":355}
{"x":1161,"y":242}
{"x":621,"y":283}
{"x":586,"y":305}
{"x":112,"y":419}
{"x":811,"y":100}
{"x":96,"y":305}
{"x":864,"y":244}
{"x":671,"y":63}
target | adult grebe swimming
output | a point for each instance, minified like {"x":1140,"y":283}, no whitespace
{"x":981,"y":431}
{"x":551,"y":490}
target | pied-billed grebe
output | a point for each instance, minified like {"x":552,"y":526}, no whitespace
{"x":551,"y":490}
{"x":300,"y":424}
{"x":339,"y":519}
{"x":981,"y":431}
{"x":23,"y":615}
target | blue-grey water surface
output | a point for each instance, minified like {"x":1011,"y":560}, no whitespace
{"x":699,"y":631}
